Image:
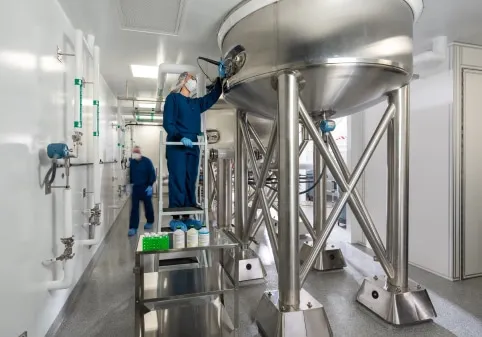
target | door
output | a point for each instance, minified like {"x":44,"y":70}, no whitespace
{"x":472,"y":174}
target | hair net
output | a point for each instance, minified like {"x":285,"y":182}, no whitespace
{"x":180,"y":82}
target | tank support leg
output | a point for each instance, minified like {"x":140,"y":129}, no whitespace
{"x":290,"y":311}
{"x":396,"y":299}
{"x":330,"y":258}
{"x":250,"y":267}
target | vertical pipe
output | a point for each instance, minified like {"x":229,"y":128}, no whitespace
{"x":319,"y":200}
{"x":95,"y":120}
{"x":79,"y":71}
{"x":400,"y":194}
{"x":224,"y":189}
{"x":206,"y":180}
{"x":241,"y":179}
{"x":288,"y":277}
{"x":390,"y":180}
{"x":67,"y":279}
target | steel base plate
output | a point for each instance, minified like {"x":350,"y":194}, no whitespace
{"x":251,"y":270}
{"x":309,"y":321}
{"x":395,"y":307}
{"x":329,"y":259}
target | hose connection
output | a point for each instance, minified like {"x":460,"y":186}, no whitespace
{"x":95,"y":214}
{"x":68,"y":253}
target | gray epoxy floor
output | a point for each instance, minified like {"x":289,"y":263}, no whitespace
{"x":105,"y":306}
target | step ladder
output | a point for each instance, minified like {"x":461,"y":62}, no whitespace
{"x":201,"y":212}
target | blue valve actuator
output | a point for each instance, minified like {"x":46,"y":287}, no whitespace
{"x":57,"y":151}
{"x":327,"y":125}
{"x":221,"y":69}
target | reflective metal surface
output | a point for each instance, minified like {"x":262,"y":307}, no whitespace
{"x":222,"y":122}
{"x":251,"y":270}
{"x":240,"y":183}
{"x":309,"y":321}
{"x":199,"y":318}
{"x":329,"y":258}
{"x":398,"y":308}
{"x":170,"y":284}
{"x":332,"y":258}
{"x":398,"y":136}
{"x":347,"y":184}
{"x":288,"y":199}
{"x":352,"y":55}
{"x":224,"y":190}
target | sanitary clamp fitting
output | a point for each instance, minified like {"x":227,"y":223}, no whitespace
{"x":68,"y":253}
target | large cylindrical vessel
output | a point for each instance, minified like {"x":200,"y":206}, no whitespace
{"x":348,"y":53}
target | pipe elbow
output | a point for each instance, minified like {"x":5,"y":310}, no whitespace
{"x":437,"y":55}
{"x":67,"y":280}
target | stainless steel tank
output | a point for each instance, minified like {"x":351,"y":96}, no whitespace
{"x":348,"y":52}
{"x":221,"y":130}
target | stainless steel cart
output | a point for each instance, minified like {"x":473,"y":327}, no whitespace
{"x":187,"y":302}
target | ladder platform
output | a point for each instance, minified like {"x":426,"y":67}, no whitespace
{"x":182,"y":211}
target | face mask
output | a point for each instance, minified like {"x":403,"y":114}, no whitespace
{"x":136,"y":156}
{"x":191,"y":85}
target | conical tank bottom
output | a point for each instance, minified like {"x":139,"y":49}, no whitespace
{"x":342,"y":88}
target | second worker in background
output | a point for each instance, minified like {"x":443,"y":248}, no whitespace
{"x":182,"y":122}
{"x":142,"y":176}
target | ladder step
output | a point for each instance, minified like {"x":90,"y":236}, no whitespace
{"x":182,"y":211}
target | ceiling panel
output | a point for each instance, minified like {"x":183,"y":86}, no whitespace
{"x":151,"y":16}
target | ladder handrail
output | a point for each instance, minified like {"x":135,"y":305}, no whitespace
{"x":205,"y":200}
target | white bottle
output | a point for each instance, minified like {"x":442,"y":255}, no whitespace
{"x":203,"y":236}
{"x":192,"y":238}
{"x":179,"y":238}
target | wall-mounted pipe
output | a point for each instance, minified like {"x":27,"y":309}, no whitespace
{"x":96,"y":183}
{"x":166,"y":68}
{"x":90,"y":43}
{"x":79,"y":71}
{"x":96,"y":126}
{"x":66,"y":281}
{"x":437,"y":55}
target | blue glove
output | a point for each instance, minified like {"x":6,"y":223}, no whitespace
{"x":149,"y":191}
{"x":186,"y":141}
{"x":221,"y":70}
{"x":174,"y":223}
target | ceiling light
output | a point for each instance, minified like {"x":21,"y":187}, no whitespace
{"x":147,"y":105}
{"x":143,"y":71}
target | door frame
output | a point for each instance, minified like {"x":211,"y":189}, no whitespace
{"x":464,"y":72}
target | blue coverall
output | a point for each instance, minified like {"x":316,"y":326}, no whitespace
{"x":142,"y":175}
{"x":182,"y":118}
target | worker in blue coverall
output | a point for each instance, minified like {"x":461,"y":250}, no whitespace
{"x":142,"y":177}
{"x":182,"y":122}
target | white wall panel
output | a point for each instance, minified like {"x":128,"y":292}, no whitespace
{"x":37,"y":108}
